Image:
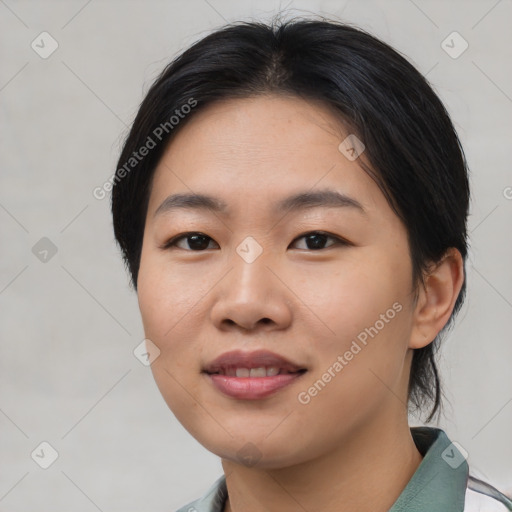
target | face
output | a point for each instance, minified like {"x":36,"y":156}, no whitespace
{"x":322,"y":282}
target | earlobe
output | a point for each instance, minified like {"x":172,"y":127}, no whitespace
{"x":436,"y":298}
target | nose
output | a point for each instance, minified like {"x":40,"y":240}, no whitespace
{"x":252,"y":297}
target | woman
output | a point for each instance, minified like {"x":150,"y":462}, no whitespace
{"x":291,"y":202}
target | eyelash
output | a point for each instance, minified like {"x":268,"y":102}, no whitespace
{"x":171,"y":244}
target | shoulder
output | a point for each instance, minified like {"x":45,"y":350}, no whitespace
{"x":483,"y":497}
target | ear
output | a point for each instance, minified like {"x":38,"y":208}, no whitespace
{"x":436,"y":298}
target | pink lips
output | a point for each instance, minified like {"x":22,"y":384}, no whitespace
{"x":222,"y":373}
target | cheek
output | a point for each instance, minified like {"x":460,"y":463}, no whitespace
{"x":347,"y":297}
{"x":362,"y":313}
{"x":166,"y":301}
{"x":167,"y":296}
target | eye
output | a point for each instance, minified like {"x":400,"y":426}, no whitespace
{"x":316,"y":240}
{"x":195,"y":241}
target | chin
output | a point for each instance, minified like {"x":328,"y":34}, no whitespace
{"x":252,"y":452}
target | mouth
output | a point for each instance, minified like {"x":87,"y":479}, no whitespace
{"x":259,"y":372}
{"x":256,"y":364}
{"x":251,"y":375}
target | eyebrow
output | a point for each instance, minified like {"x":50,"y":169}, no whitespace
{"x":326,"y":198}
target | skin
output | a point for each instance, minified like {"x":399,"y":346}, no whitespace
{"x":306,"y":304}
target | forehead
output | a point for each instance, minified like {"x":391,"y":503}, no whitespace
{"x":260,"y":149}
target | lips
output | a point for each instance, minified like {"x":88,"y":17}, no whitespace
{"x":256,"y":364}
{"x":252,"y":375}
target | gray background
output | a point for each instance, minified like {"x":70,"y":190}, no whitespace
{"x":69,"y":324}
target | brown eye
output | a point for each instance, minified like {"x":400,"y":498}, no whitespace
{"x":190,"y":242}
{"x":316,"y":240}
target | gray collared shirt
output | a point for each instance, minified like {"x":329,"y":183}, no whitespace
{"x":441,"y":483}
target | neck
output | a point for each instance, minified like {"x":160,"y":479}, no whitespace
{"x":366,"y":473}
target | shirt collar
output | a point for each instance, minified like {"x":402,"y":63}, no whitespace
{"x":213,"y":501}
{"x":439,"y":482}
